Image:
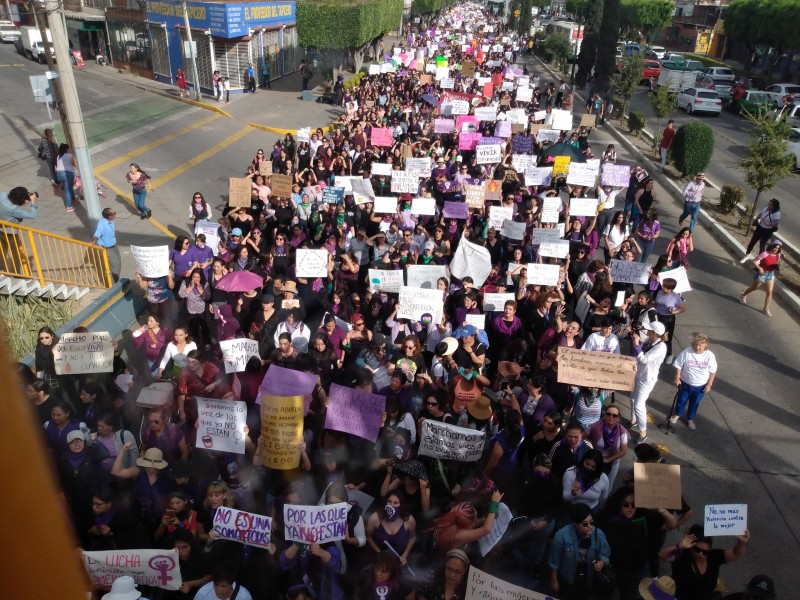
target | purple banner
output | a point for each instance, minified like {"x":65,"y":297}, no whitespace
{"x":283,"y":382}
{"x":456,"y":210}
{"x":522,"y":144}
{"x":355,"y":411}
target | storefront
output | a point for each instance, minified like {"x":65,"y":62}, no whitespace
{"x":227,"y":37}
{"x":86,"y":33}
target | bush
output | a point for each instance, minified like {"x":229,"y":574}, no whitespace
{"x":692,"y":148}
{"x":354,"y":80}
{"x":21,"y":319}
{"x":729,"y":198}
{"x":636,"y":122}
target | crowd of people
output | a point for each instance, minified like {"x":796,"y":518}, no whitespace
{"x":553,"y":450}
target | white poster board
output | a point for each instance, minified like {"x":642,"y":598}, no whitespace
{"x":386,"y":280}
{"x":236,"y":353}
{"x":419,"y":304}
{"x":493,"y":302}
{"x":471,"y":260}
{"x":724,"y":519}
{"x":151,"y":261}
{"x":557,"y":249}
{"x":425,"y":276}
{"x":541,"y":274}
{"x":562,"y":119}
{"x":385,"y":205}
{"x":423,"y":206}
{"x":311,"y":263}
{"x":680,"y":276}
{"x":221,"y":425}
{"x":488,"y":153}
{"x":499,"y":527}
{"x":450,"y":442}
{"x":582,"y":207}
{"x":243,"y":527}
{"x":498,"y":214}
{"x":155,"y":568}
{"x":624,"y":271}
{"x":315,"y":524}
{"x":582,"y":174}
{"x":550,"y":207}
{"x":513,"y":230}
{"x":80,"y":353}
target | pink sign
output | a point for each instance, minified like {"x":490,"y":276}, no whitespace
{"x":355,"y":411}
{"x":461,"y":119}
{"x":382,"y":137}
{"x":443,"y":125}
{"x":469,"y":141}
{"x":488,"y":89}
{"x":456,"y":210}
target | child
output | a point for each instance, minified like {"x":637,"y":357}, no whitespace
{"x":225,"y":90}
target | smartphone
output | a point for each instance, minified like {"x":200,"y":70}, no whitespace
{"x":170,"y":513}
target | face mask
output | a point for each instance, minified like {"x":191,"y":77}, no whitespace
{"x":391,"y":512}
{"x":541,"y":475}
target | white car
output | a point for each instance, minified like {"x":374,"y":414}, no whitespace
{"x":9,"y":32}
{"x":794,"y":146}
{"x":779,"y":90}
{"x":659,"y":51}
{"x":721,"y":73}
{"x":694,"y":100}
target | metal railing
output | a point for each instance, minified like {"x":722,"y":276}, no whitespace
{"x":49,"y":258}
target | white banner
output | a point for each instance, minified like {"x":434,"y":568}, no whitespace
{"x":488,"y":153}
{"x":624,"y":271}
{"x":311,"y":263}
{"x":558,"y":249}
{"x":425,"y":276}
{"x":385,"y":280}
{"x":79,"y":353}
{"x":582,"y":174}
{"x":498,"y":214}
{"x":541,"y":274}
{"x":236,"y":353}
{"x":315,"y":524}
{"x":420,"y":304}
{"x":385,"y":205}
{"x":221,"y":425}
{"x":495,"y":302}
{"x":582,"y":207}
{"x":450,"y":442}
{"x":423,"y":206}
{"x":471,"y":260}
{"x":155,"y":568}
{"x":404,"y":182}
{"x":151,"y":261}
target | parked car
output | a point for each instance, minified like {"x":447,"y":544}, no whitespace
{"x":659,"y":51}
{"x":694,"y":100}
{"x":792,"y":115}
{"x":721,"y":73}
{"x":672,"y":57}
{"x":794,"y":146}
{"x":753,"y":102}
{"x":9,"y":32}
{"x":721,"y":86}
{"x":651,"y":70}
{"x":779,"y":90}
{"x":695,"y":65}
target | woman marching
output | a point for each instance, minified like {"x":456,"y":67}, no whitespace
{"x":765,"y":265}
{"x":140,"y":183}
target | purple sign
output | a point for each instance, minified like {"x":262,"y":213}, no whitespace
{"x":616,"y":175}
{"x":445,"y":186}
{"x":490,"y":140}
{"x":280,"y":381}
{"x":522,"y":144}
{"x":443,"y":125}
{"x":355,"y":411}
{"x":456,"y":210}
{"x":502,"y":129}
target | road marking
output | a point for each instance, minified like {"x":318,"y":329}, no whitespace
{"x":129,"y":199}
{"x":155,"y":144}
{"x":12,"y":65}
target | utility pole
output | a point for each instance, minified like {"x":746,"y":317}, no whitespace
{"x":74,"y":117}
{"x":55,"y":82}
{"x":192,"y":52}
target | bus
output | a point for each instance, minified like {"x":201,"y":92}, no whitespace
{"x":573,"y":31}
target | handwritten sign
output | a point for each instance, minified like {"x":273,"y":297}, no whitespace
{"x":656,"y":485}
{"x":210,"y":230}
{"x":602,"y":370}
{"x":333,"y":195}
{"x":459,"y":107}
{"x":239,"y":191}
{"x":236,"y":353}
{"x":471,"y":260}
{"x":582,"y":174}
{"x":425,"y":276}
{"x":582,"y":207}
{"x":374,"y":69}
{"x":315,"y":524}
{"x":381,"y":136}
{"x":558,"y":249}
{"x":455,"y":210}
{"x":623,"y":271}
{"x":547,"y":135}
{"x":386,"y":280}
{"x":469,"y":141}
{"x":280,"y":381}
{"x":221,"y":425}
{"x":311,"y":263}
{"x":304,"y":134}
{"x":151,"y":261}
{"x":475,"y":195}
{"x":282,"y":431}
{"x":495,"y":302}
{"x":481,"y":585}
{"x":680,"y":276}
{"x":615,"y":175}
{"x":513,"y":230}
{"x":588,"y":121}
{"x":561,"y":166}
{"x":423,"y":206}
{"x":78,"y":353}
{"x":419,"y":304}
{"x":521,"y":162}
{"x":499,"y":214}
{"x":524,"y":94}
{"x":246,"y":528}
{"x":443,"y":125}
{"x":282,"y":185}
{"x":420,"y":166}
{"x":404,"y":182}
{"x":562,"y":119}
{"x":542,"y":274}
{"x":381,"y":169}
{"x":355,"y":411}
{"x":725,"y":519}
{"x":450,"y":442}
{"x":522,"y":144}
{"x":448,"y":83}
{"x":155,"y":568}
{"x":499,"y":527}
{"x":550,"y":209}
{"x":477,"y":321}
{"x":362,"y":190}
{"x":540,"y":235}
{"x":502,"y":129}
{"x":385,"y":204}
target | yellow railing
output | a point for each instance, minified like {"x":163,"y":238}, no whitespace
{"x":50,"y":258}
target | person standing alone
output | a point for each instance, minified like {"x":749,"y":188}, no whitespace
{"x":105,"y":236}
{"x":666,"y":142}
{"x":48,"y":152}
{"x":251,"y":78}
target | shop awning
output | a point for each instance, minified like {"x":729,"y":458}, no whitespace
{"x":80,"y":16}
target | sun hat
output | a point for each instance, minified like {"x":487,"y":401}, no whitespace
{"x":75,"y":435}
{"x":509,"y":368}
{"x":480,"y":408}
{"x":152,"y":458}
{"x":655,"y":326}
{"x":452,"y":345}
{"x":289,"y":286}
{"x":662,"y":588}
{"x":123,"y":588}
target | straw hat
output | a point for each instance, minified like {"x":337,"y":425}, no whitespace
{"x":289,"y":286}
{"x":152,"y":458}
{"x":508,"y":368}
{"x":481,"y":408}
{"x":662,"y":588}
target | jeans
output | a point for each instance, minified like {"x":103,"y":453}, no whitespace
{"x":690,"y":209}
{"x":692,"y":394}
{"x":139,"y":196}
{"x":67,"y":178}
{"x":647,"y":248}
{"x":664,"y":152}
{"x":604,"y":219}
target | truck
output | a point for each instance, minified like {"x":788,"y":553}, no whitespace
{"x":32,"y":45}
{"x":676,"y":78}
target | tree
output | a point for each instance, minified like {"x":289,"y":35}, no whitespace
{"x":627,"y":81}
{"x":646,"y":15}
{"x":557,"y":49}
{"x":525,"y":17}
{"x":664,"y":103}
{"x":693,"y":147}
{"x":605,"y":64}
{"x":768,"y":159}
{"x":592,"y":18}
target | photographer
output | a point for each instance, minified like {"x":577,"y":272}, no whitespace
{"x":16,"y":205}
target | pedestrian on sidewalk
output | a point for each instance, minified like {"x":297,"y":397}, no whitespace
{"x":216,"y":78}
{"x":65,"y":174}
{"x":692,"y":196}
{"x":183,"y":87}
{"x":225,"y":90}
{"x":666,"y":142}
{"x":695,"y":371}
{"x":251,"y":78}
{"x":649,"y":354}
{"x":306,"y":73}
{"x":766,"y":225}
{"x":48,"y":152}
{"x":16,"y":205}
{"x":265,"y":82}
{"x":140,"y":182}
{"x":668,"y":304}
{"x":105,"y":236}
{"x":765,"y":265}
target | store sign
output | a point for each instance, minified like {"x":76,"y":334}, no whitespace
{"x":224,"y":20}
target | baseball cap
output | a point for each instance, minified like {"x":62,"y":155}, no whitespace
{"x":467,"y":330}
{"x":762,"y":586}
{"x":236,"y":231}
{"x":75,"y":435}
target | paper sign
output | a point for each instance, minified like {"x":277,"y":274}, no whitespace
{"x":381,"y":169}
{"x":79,"y":353}
{"x":290,"y":304}
{"x":282,"y":185}
{"x":615,"y":175}
{"x":474,"y":195}
{"x":538,"y":176}
{"x":304,"y":134}
{"x":404,"y":182}
{"x":236,"y":353}
{"x":582,"y":207}
{"x":550,"y":208}
{"x":498,"y":214}
{"x":151,"y":261}
{"x":420,"y":166}
{"x":469,"y":141}
{"x":354,"y":411}
{"x":588,"y":121}
{"x":345,"y":182}
{"x":459,"y":107}
{"x":221,"y":425}
{"x":486,"y":113}
{"x":513,"y":230}
{"x":239,"y":193}
{"x":441,"y":73}
{"x":680,"y":276}
{"x":542,"y":274}
{"x":502,"y":129}
{"x":418,"y":304}
{"x":562,"y":119}
{"x":154,"y":568}
{"x":540,"y":115}
{"x":315,"y":524}
{"x":455,"y":210}
{"x":623,"y":271}
{"x":374,"y":69}
{"x":539,"y":235}
{"x":362,"y":190}
{"x":725,"y":519}
{"x":443,"y":125}
{"x":385,"y":205}
{"x":582,"y":174}
{"x":425,"y":276}
{"x":281,"y":430}
{"x":558,"y":249}
{"x":333,"y":195}
{"x":311,"y":263}
{"x":495,"y":302}
{"x":386,"y":280}
{"x":450,"y":442}
{"x":280,"y":381}
{"x":561,"y":166}
{"x":246,"y":528}
{"x":547,"y":135}
{"x":481,"y":585}
{"x":488,"y":153}
{"x":423,"y":206}
{"x":210,"y":230}
{"x":522,"y":162}
{"x":656,"y":485}
{"x":477,"y":321}
{"x":471,"y":260}
{"x":381,"y":136}
{"x":604,"y":370}
{"x":448,"y":83}
{"x":524,"y":94}
{"x":522,"y":144}
{"x":499,"y":527}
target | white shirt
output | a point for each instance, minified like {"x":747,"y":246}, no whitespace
{"x":649,"y":362}
{"x":695,"y":368}
{"x":207,"y":592}
{"x":179,"y":358}
{"x":597,"y":343}
{"x":606,"y":200}
{"x":693,"y":192}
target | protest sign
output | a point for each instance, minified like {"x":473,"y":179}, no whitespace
{"x":522,"y":144}
{"x":582,"y":207}
{"x":477,"y":321}
{"x":468,"y":68}
{"x":513,"y":230}
{"x":459,"y":107}
{"x":455,"y":210}
{"x":315,"y":524}
{"x":502,"y":129}
{"x":448,"y":83}
{"x":441,"y":72}
{"x":498,"y":214}
{"x":345,"y":182}
{"x":382,"y":169}
{"x":450,"y":442}
{"x":517,"y":116}
{"x":221,"y":425}
{"x":495,"y":302}
{"x":524,"y":94}
{"x":543,"y":274}
{"x":151,"y":261}
{"x":381,"y":136}
{"x":522,"y":162}
{"x":425,"y":276}
{"x":425,"y":78}
{"x":385,"y":205}
{"x":725,"y":519}
{"x":388,"y":67}
{"x":444,"y":125}
{"x":280,"y":381}
{"x":239,"y":191}
{"x":462,"y":120}
{"x":547,"y":135}
{"x":539,"y":235}
{"x":404,"y":182}
{"x":423,"y":206}
{"x":236,"y":353}
{"x":588,"y":121}
{"x":281,"y":430}
{"x":498,"y":530}
{"x":333,"y":195}
{"x":471,"y":260}
{"x":264,"y":168}
{"x":481,"y":586}
{"x":558,"y":249}
{"x":615,"y":175}
{"x":550,"y":208}
{"x":540,"y":115}
{"x":562,"y":119}
{"x":538,"y":176}
{"x":79,"y":353}
{"x":418,"y":304}
{"x":604,"y":370}
{"x":487,"y":140}
{"x":374,"y":69}
{"x":354,"y":411}
{"x":154,"y":568}
{"x":281,"y":185}
{"x":362,"y":190}
{"x":469,"y":141}
{"x":487,"y":89}
{"x":289,"y":304}
{"x":360,"y":499}
{"x":420,"y":166}
{"x":561,"y":166}
{"x":386,"y":280}
{"x":304,"y":134}
{"x":680,"y":276}
{"x":624,"y":271}
{"x":582,"y":174}
{"x":247,"y":528}
{"x":311,"y":263}
{"x":486,"y":113}
{"x":474,"y":195}
{"x":210,"y":230}
{"x":656,"y":485}
{"x":488,"y":153}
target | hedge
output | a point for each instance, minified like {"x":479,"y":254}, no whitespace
{"x":428,"y":7}
{"x":692,"y":147}
{"x":339,"y":24}
{"x":710,"y":62}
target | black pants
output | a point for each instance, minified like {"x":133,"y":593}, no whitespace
{"x":761,"y":235}
{"x":669,"y":325}
{"x":251,"y":85}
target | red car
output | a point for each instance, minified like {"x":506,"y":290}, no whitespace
{"x":652,"y":69}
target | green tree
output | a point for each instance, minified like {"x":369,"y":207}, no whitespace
{"x":768,"y":159}
{"x":605,"y":64}
{"x":627,"y":81}
{"x":592,"y":17}
{"x":557,"y":49}
{"x":745,"y":23}
{"x":664,"y":103}
{"x":692,"y":147}
{"x":645,"y":15}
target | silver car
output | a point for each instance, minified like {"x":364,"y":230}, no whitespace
{"x":697,"y":100}
{"x":9,"y":33}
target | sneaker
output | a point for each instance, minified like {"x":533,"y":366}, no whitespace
{"x":673,"y":419}
{"x":70,"y":209}
{"x":691,"y":425}
{"x":766,"y":312}
{"x":149,"y":214}
{"x":743,"y":299}
{"x":143,"y":216}
{"x":745,"y":258}
{"x":669,"y":360}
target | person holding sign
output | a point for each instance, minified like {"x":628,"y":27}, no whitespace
{"x":384,"y":580}
{"x":316,"y":565}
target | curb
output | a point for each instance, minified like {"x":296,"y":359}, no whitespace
{"x":718,"y":231}
{"x":266,"y":128}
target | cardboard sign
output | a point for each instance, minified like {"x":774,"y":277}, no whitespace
{"x":221,"y":425}
{"x":315,"y":524}
{"x":495,"y":302}
{"x":425,"y":276}
{"x":538,"y":176}
{"x":582,"y":207}
{"x":499,"y":527}
{"x":404,"y":182}
{"x":604,"y":370}
{"x":450,"y":442}
{"x":588,"y":121}
{"x":239,"y":191}
{"x":488,"y":153}
{"x":522,"y":144}
{"x":481,"y":585}
{"x":423,"y":206}
{"x":264,"y":168}
{"x":443,"y":125}
{"x":623,"y":271}
{"x":471,"y":260}
{"x":513,"y":230}
{"x":498,"y":214}
{"x":542,"y":274}
{"x":386,"y":280}
{"x":282,"y":430}
{"x":469,"y":141}
{"x":381,"y":169}
{"x":420,"y":166}
{"x":333,"y":195}
{"x":558,"y":249}
{"x":477,"y":321}
{"x":656,"y":485}
{"x":468,"y":68}
{"x":385,"y":205}
{"x":151,"y":261}
{"x":154,"y":568}
{"x":79,"y":353}
{"x":562,"y":119}
{"x":725,"y":519}
{"x":615,"y":175}
{"x":382,"y":136}
{"x":311,"y":263}
{"x":246,"y":528}
{"x":486,"y":113}
{"x":474,"y":195}
{"x":418,"y":304}
{"x":281,"y":186}
{"x":236,"y":353}
{"x":582,"y":174}
{"x":680,"y":276}
{"x":355,"y":411}
{"x":455,"y":210}
{"x":561,"y":166}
